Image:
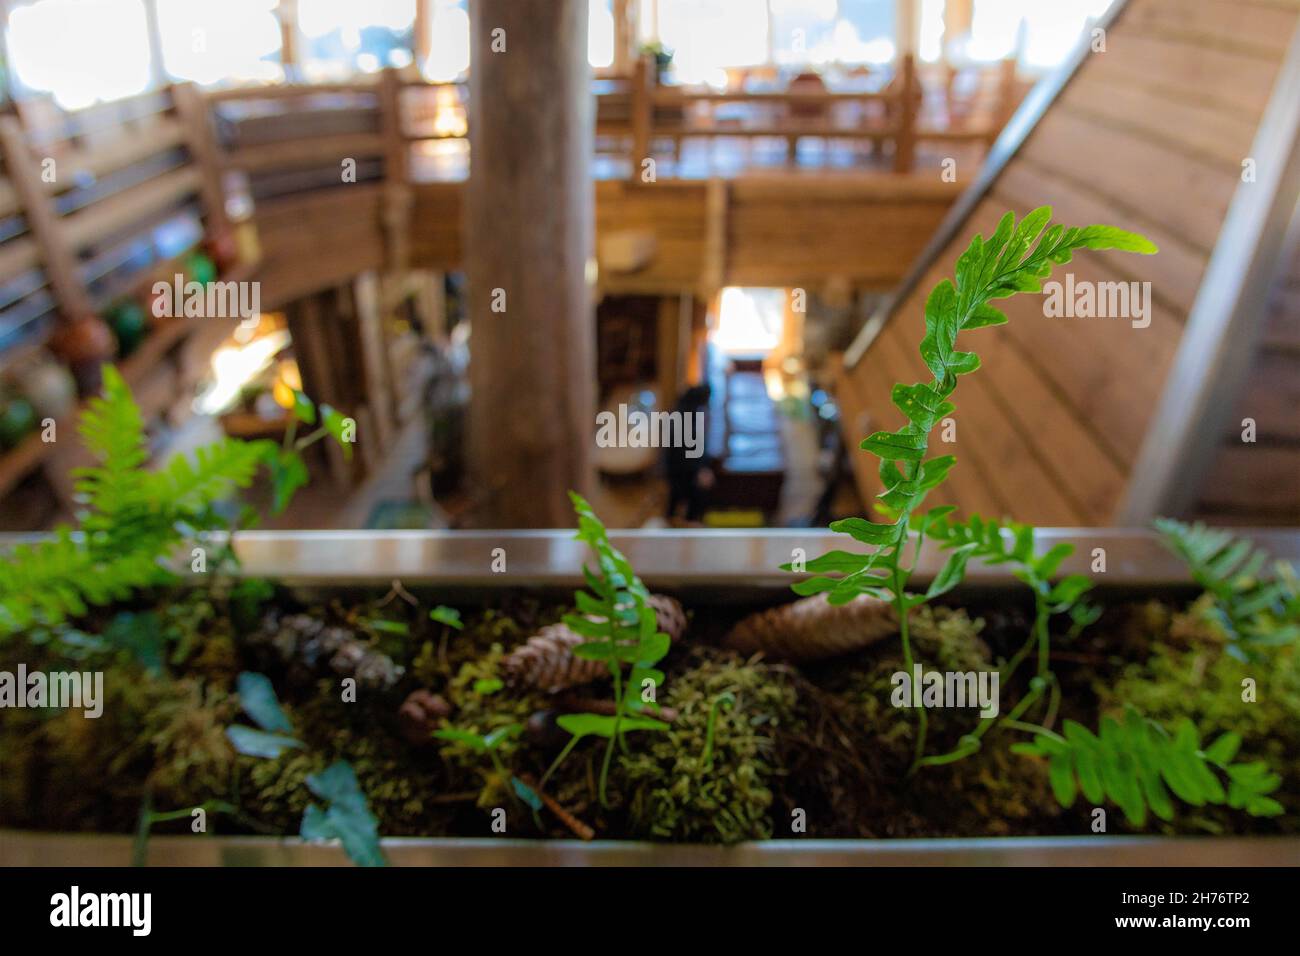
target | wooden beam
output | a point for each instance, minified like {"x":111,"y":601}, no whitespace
{"x":907,"y":107}
{"x":56,"y":245}
{"x":528,"y":241}
{"x":1227,"y":318}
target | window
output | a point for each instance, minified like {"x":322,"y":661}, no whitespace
{"x":342,"y":37}
{"x":236,"y":40}
{"x":1044,"y":34}
{"x":81,"y":51}
{"x":832,"y":31}
{"x":448,"y":41}
{"x":600,"y":33}
{"x":930,"y":45}
{"x":707,"y":36}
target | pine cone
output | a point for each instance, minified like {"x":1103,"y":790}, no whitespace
{"x":811,"y":628}
{"x":420,"y":715}
{"x":304,"y":641}
{"x":546,"y":660}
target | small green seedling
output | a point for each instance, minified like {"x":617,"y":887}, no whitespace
{"x":615,"y":616}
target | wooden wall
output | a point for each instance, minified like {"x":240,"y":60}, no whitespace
{"x":1149,"y":135}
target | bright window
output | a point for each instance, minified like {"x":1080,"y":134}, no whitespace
{"x":234,"y":41}
{"x":707,"y":36}
{"x":81,"y":51}
{"x":832,"y":31}
{"x":600,"y":33}
{"x":930,"y":45}
{"x":343,"y":37}
{"x":448,"y":41}
{"x":1046,"y":32}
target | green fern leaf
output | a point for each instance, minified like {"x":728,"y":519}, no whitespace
{"x":1136,"y":764}
{"x":1254,"y":612}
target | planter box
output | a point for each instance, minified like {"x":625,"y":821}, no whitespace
{"x":703,"y":568}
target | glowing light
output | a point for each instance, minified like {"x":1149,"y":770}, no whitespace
{"x":749,"y":320}
{"x":449,"y":115}
{"x":234,"y":366}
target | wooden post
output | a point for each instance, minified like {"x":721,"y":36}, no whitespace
{"x":643,"y":82}
{"x":421,"y":32}
{"x":43,"y":222}
{"x":528,"y":239}
{"x":398,"y":197}
{"x":905,"y":129}
{"x":1006,"y":97}
{"x":192,"y":111}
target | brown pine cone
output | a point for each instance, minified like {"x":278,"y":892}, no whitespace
{"x":811,"y":628}
{"x":420,"y":715}
{"x":546,"y":660}
{"x":305,"y":641}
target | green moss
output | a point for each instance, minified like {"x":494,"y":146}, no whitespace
{"x":672,"y":791}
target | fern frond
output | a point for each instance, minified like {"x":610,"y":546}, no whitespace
{"x":1255,"y":611}
{"x":113,"y":432}
{"x":1136,"y":764}
{"x":47,"y":582}
{"x":1016,"y":258}
{"x":216,"y":471}
{"x":1010,"y":542}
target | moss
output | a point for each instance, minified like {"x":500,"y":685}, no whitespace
{"x":674,"y":790}
{"x":192,"y":759}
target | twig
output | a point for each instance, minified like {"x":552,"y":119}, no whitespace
{"x":579,"y":829}
{"x":608,"y":708}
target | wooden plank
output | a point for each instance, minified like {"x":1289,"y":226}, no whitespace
{"x":1255,"y":478}
{"x":1136,"y":174}
{"x":161,"y":134}
{"x":1175,"y":272}
{"x":44,"y":226}
{"x":119,"y":211}
{"x":1272,"y":398}
{"x":1226,"y":79}
{"x":1210,"y":134}
{"x":1282,"y":329}
{"x":1265,"y":28}
{"x":316,"y":150}
{"x":18,"y":255}
{"x":1078,"y":462}
{"x":200,"y":138}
